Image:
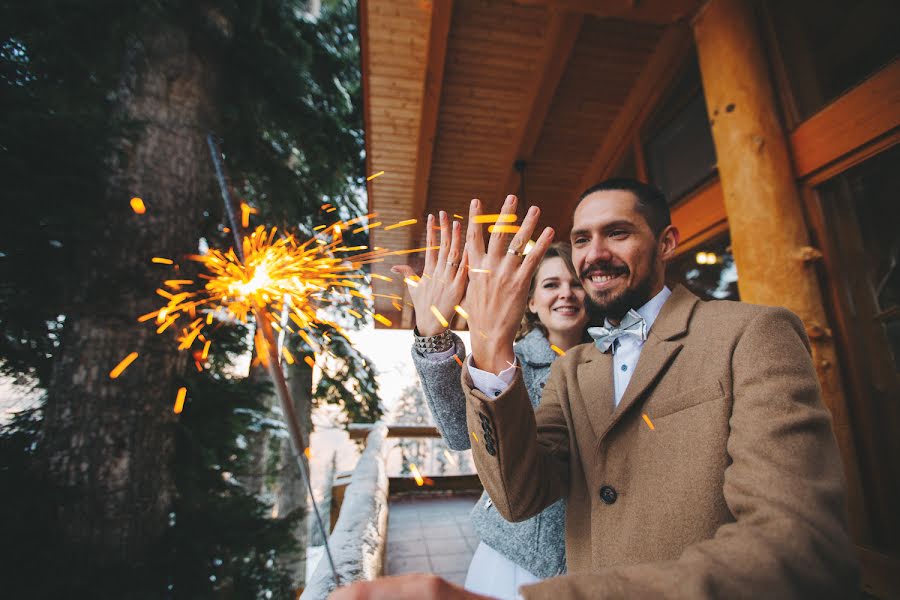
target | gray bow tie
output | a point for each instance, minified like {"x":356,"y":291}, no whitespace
{"x":632,"y":324}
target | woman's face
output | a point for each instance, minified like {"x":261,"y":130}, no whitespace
{"x":558,"y":298}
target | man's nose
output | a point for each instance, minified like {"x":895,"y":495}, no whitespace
{"x":598,"y":251}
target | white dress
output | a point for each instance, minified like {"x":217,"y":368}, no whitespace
{"x":492,"y":574}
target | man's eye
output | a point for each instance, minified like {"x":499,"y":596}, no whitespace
{"x":618,"y":233}
{"x":580,"y":240}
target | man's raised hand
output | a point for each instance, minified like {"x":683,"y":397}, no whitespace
{"x":499,"y":279}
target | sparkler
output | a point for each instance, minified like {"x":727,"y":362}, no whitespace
{"x":277,"y":281}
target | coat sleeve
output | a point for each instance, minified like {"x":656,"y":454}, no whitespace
{"x":784,"y":487}
{"x":446,"y":401}
{"x":521,"y":454}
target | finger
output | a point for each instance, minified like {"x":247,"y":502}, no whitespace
{"x":522,"y":236}
{"x":533,"y":258}
{"x":430,"y":255}
{"x":454,"y":251}
{"x":445,"y":243}
{"x":474,"y":236}
{"x":498,"y":242}
{"x":463,"y":271}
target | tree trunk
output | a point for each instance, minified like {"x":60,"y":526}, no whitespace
{"x":110,"y":443}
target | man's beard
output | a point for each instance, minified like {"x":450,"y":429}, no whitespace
{"x":614,"y":305}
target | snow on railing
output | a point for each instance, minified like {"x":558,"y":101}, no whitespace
{"x":358,"y":540}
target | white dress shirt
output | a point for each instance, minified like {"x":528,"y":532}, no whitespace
{"x":626,"y":352}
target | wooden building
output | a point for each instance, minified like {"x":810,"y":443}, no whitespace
{"x":772,"y":126}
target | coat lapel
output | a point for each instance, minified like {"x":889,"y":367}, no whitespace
{"x":658,"y":352}
{"x":596,"y":383}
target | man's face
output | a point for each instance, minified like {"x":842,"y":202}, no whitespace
{"x":619,"y":259}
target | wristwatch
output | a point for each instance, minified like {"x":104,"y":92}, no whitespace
{"x":433,"y":343}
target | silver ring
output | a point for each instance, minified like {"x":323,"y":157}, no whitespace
{"x":452,"y":264}
{"x":515,"y":253}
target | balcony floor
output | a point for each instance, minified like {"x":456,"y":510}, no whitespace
{"x":431,"y":535}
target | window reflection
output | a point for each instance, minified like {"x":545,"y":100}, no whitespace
{"x":708,"y":270}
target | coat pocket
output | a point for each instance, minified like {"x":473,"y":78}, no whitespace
{"x":665,"y":405}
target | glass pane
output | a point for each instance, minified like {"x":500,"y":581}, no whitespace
{"x":865,"y":204}
{"x":708,"y":270}
{"x":829,"y":46}
{"x":681,"y":155}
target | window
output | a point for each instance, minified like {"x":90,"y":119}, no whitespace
{"x":829,"y":46}
{"x":708,"y":270}
{"x":679,"y":149}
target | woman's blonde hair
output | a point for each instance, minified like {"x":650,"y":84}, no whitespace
{"x":531,"y":321}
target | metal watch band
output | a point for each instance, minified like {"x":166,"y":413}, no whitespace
{"x":434,"y":343}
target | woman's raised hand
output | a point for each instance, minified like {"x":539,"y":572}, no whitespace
{"x":443,"y":282}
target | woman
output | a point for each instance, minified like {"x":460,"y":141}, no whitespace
{"x":509,"y":554}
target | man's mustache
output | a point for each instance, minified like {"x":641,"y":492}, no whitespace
{"x":606,"y":267}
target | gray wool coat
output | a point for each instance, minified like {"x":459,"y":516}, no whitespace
{"x":537,"y":544}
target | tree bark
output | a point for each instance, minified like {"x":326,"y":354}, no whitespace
{"x":110,"y":443}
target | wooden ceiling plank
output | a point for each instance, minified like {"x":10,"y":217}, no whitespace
{"x":661,"y":12}
{"x":653,"y":81}
{"x":562,"y":32}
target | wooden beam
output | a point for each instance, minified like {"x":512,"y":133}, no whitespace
{"x":363,"y":14}
{"x":864,"y":114}
{"x":441,"y":13}
{"x":662,"y":12}
{"x":765,"y":213}
{"x":654,"y":81}
{"x":562,"y":32}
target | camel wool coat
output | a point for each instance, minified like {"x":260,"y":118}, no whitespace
{"x":736,"y":491}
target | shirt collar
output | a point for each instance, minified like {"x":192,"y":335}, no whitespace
{"x":650,"y":310}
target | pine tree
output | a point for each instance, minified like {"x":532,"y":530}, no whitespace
{"x":102,"y":101}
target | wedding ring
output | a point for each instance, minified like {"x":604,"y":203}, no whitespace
{"x":452,"y":264}
{"x":515,"y":252}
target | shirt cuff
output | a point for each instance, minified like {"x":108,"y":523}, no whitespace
{"x":489,"y":384}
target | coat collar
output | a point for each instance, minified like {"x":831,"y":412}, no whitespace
{"x":660,"y":349}
{"x":536,"y":350}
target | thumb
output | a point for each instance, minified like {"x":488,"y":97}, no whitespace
{"x":403,"y":270}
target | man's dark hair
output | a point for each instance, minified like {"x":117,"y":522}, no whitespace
{"x":651,"y":201}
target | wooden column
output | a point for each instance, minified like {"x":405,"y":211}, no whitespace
{"x":769,"y":234}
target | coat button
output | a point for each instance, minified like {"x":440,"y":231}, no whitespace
{"x":497,"y":393}
{"x":608,"y":494}
{"x":542,"y":384}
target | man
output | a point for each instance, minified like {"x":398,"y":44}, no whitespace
{"x":690,"y":441}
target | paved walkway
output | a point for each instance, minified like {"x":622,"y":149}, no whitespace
{"x":431,"y":535}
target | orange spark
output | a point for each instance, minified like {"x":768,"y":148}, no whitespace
{"x":461,"y":312}
{"x":179,"y":400}
{"x":307,"y":453}
{"x":137,"y":205}
{"x":367,"y":227}
{"x":354,"y":313}
{"x":648,"y":421}
{"x":288,"y":356}
{"x":162,"y":261}
{"x":206,"y":349}
{"x":246,"y":211}
{"x":474,"y":270}
{"x":123,"y":365}
{"x":415,"y":471}
{"x":309,"y":360}
{"x":331,"y":210}
{"x":458,"y":360}
{"x":456,"y":216}
{"x":319,"y":227}
{"x":197,"y":365}
{"x":496,"y":218}
{"x":474,"y":436}
{"x":378,"y":174}
{"x":437,"y":315}
{"x":557,"y":349}
{"x":381,"y":277}
{"x":412,"y":282}
{"x":503,"y":229}
{"x":401,"y":224}
{"x":382,"y":319}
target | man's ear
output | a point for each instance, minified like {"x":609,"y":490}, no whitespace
{"x":668,"y":241}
